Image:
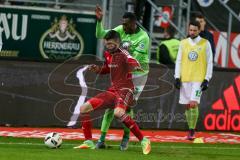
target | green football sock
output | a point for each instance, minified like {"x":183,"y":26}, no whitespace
{"x":194,"y":117}
{"x":188,"y":115}
{"x":126,"y":134}
{"x":106,"y":122}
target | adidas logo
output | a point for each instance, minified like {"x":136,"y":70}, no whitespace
{"x":226,"y":118}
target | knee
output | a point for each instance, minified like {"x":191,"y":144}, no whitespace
{"x":83,"y":109}
{"x":119,"y":112}
{"x":192,"y":104}
{"x":86,"y":108}
{"x":109,"y":113}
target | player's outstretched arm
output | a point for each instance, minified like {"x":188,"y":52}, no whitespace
{"x":100,"y":31}
{"x":98,"y":12}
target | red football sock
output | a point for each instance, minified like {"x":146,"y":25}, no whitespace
{"x":86,"y":126}
{"x":132,"y":125}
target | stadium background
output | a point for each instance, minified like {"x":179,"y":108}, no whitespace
{"x":40,"y":88}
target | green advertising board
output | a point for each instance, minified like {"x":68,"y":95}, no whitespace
{"x":38,"y":33}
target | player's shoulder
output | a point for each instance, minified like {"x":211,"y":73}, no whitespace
{"x":204,"y":39}
{"x":143,"y":33}
{"x":184,"y":41}
{"x":119,"y":57}
{"x":123,"y":54}
{"x":106,"y":53}
{"x":126,"y":57}
{"x":119,"y":29}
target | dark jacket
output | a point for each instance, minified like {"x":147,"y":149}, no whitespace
{"x":209,"y":36}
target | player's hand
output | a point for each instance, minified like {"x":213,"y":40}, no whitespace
{"x":204,"y":85}
{"x":93,"y":68}
{"x":98,"y":12}
{"x":177,"y":83}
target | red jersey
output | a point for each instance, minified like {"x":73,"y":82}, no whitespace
{"x":119,"y":65}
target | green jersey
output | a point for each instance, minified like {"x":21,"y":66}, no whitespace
{"x":139,"y":44}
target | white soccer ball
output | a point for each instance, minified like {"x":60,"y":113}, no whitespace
{"x":53,"y":140}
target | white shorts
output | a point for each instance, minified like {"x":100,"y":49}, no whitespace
{"x":139,"y":82}
{"x":190,"y":91}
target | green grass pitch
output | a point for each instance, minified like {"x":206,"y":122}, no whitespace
{"x":34,"y":149}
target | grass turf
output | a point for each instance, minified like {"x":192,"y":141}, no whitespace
{"x":33,"y":149}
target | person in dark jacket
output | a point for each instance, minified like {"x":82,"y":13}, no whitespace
{"x":204,"y":32}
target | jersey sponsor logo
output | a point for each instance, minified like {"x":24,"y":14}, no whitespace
{"x":226,"y":115}
{"x":112,"y":65}
{"x":61,"y":41}
{"x":193,"y":56}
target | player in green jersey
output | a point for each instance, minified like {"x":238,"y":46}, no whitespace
{"x":136,"y":41}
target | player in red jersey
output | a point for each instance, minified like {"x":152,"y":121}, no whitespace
{"x":119,"y":64}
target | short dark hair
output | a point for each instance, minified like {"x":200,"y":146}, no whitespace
{"x":130,"y":15}
{"x":199,"y":15}
{"x":171,"y":31}
{"x":195,"y":23}
{"x":112,"y":35}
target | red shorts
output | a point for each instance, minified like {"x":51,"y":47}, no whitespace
{"x":112,"y":99}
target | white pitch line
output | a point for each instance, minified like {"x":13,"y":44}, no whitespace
{"x":133,"y":146}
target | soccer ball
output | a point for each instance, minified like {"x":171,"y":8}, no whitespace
{"x":53,"y":140}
